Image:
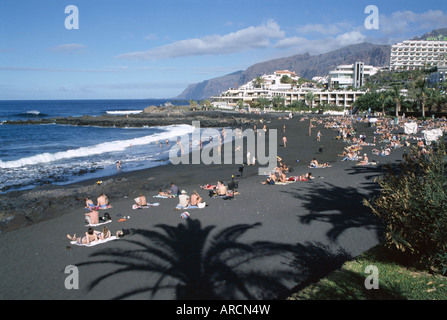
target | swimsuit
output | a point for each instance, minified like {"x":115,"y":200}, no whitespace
{"x":104,"y":206}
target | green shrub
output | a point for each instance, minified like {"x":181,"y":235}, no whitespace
{"x":413,"y":206}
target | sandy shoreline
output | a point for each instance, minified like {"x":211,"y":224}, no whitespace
{"x":314,"y":227}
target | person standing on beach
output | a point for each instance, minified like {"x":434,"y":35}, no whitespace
{"x":284,"y":141}
{"x":319,"y":136}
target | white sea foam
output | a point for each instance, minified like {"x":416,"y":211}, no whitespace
{"x":120,"y":112}
{"x":35,"y":112}
{"x":106,"y":147}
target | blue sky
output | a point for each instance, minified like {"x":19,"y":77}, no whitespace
{"x":138,"y":49}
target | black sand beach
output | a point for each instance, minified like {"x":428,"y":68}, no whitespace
{"x":267,"y":240}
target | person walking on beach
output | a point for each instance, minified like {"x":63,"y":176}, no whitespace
{"x":319,"y":136}
{"x":284,"y":141}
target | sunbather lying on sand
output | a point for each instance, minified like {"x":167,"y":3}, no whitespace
{"x":270,"y":180}
{"x":90,"y":236}
{"x":161,"y":193}
{"x":365,"y":160}
{"x":209,"y":187}
{"x":104,"y":234}
{"x":314,"y":164}
{"x":303,"y":177}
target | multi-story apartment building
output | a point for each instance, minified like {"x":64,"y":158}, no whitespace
{"x":351,"y":75}
{"x":417,"y":54}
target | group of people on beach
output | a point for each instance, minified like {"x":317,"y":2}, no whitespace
{"x":92,"y":218}
{"x":384,"y":133}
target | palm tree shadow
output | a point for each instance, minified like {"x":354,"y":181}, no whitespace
{"x":342,"y":207}
{"x":204,"y":266}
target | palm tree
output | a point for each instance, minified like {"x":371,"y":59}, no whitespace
{"x":309,"y":99}
{"x":421,"y":93}
{"x":434,"y":99}
{"x":263,"y":102}
{"x":397,"y":97}
{"x":258,"y":82}
{"x":197,"y":265}
{"x":193,"y":104}
{"x":278,"y":101}
{"x":384,"y":97}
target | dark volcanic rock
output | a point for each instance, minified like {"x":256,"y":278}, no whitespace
{"x":159,"y":118}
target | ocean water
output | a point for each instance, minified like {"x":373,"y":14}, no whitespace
{"x":35,"y":155}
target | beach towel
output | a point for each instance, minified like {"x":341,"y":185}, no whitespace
{"x":135,"y":206}
{"x":367,"y":164}
{"x":107,"y":207}
{"x":432,"y":135}
{"x":200,"y":206}
{"x":284,"y":183}
{"x":92,"y":244}
{"x":163,"y":197}
{"x":98,"y":224}
{"x":411,"y":128}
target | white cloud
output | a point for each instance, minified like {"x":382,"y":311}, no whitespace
{"x":70,"y":48}
{"x":408,"y":21}
{"x":241,"y":40}
{"x":318,"y":46}
{"x":326,"y":29}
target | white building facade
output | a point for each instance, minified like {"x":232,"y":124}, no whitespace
{"x":351,"y":75}
{"x":272,"y":81}
{"x":417,"y":54}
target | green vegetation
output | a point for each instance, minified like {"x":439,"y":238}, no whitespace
{"x":412,"y":261}
{"x":403,"y":91}
{"x":396,"y":281}
{"x":413,"y":204}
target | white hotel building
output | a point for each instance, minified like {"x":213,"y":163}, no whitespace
{"x":249,"y":93}
{"x":417,"y":54}
{"x":351,"y":75}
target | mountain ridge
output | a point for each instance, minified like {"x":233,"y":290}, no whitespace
{"x":305,"y":65}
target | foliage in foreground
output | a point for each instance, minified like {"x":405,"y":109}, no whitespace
{"x":413,"y":206}
{"x":396,"y":282}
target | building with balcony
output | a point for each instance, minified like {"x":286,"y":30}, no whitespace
{"x":351,"y":75}
{"x":269,"y":88}
{"x":417,"y":54}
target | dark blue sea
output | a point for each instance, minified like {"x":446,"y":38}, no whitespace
{"x":35,"y":155}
